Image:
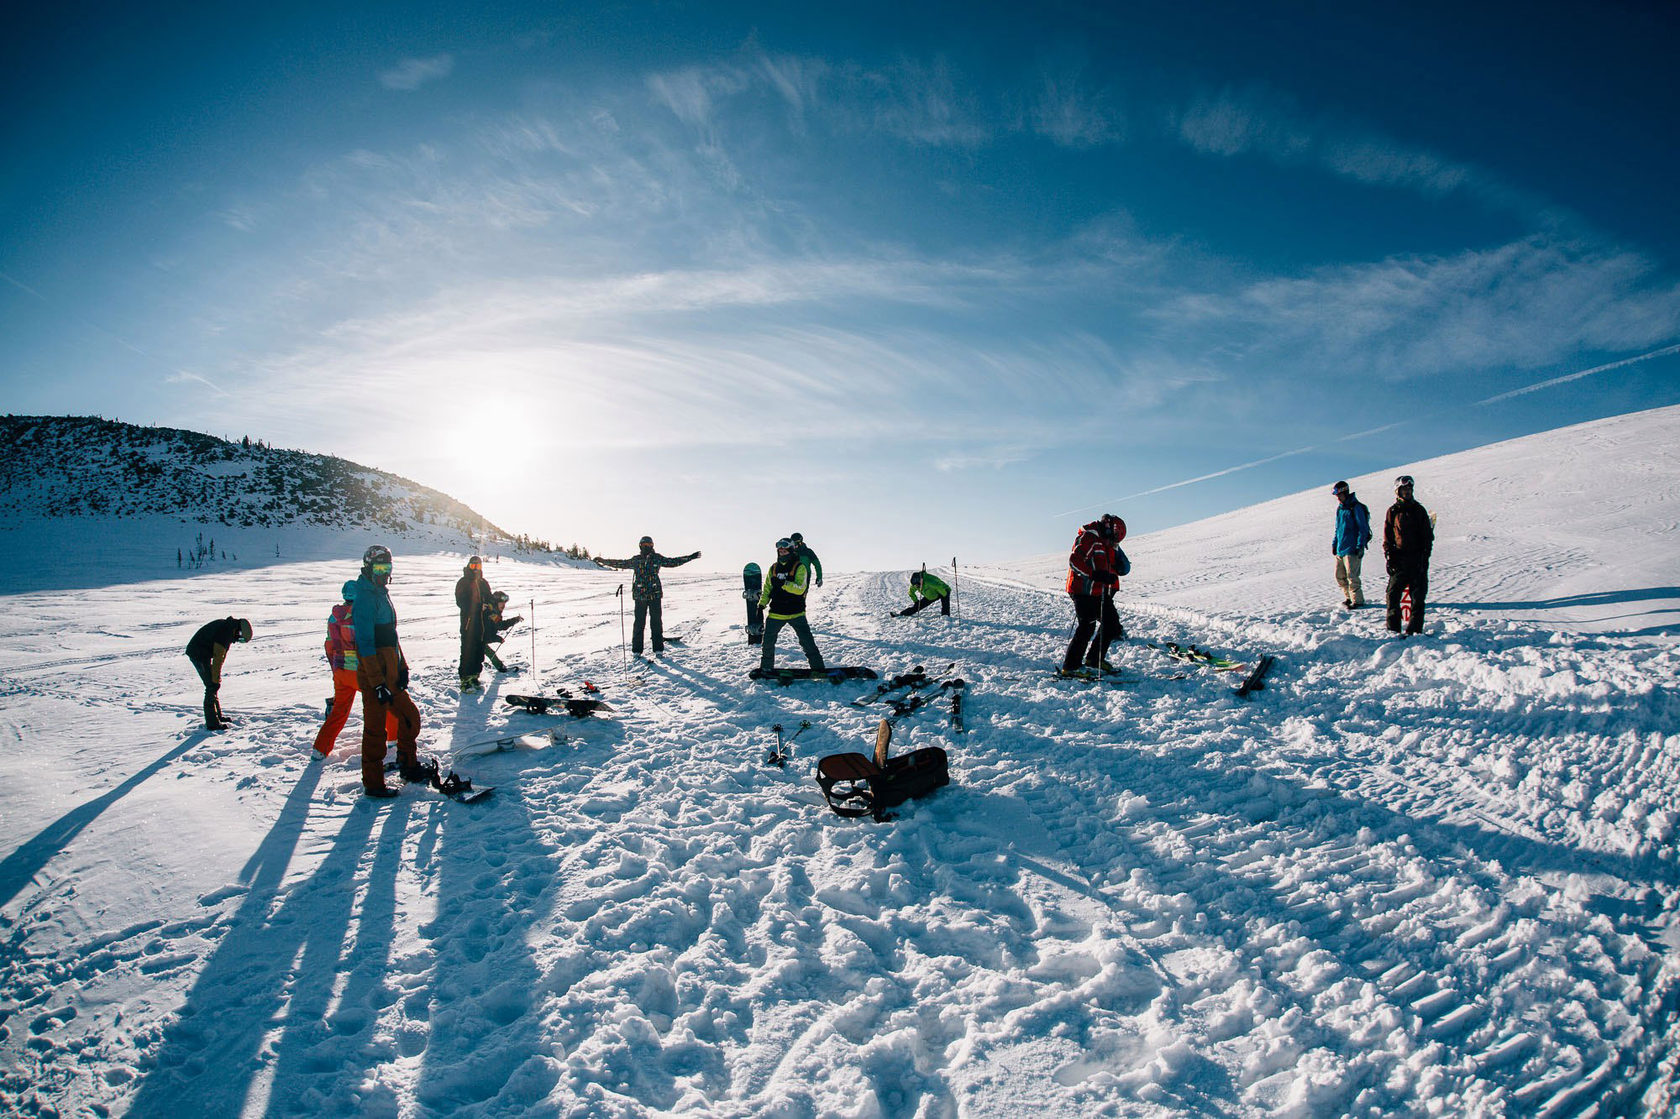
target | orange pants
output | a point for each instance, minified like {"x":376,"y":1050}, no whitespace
{"x":375,"y":714}
{"x":345,"y":688}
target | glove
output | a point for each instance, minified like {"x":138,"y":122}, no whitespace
{"x":382,"y":694}
{"x":819,"y":580}
{"x":1108,"y":579}
{"x":778,"y":579}
{"x":402,"y":676}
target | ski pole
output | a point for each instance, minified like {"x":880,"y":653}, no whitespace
{"x":956,"y":598}
{"x":535,"y":672}
{"x":623,"y":640}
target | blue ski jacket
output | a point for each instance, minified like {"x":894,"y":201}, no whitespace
{"x":1353,"y":528}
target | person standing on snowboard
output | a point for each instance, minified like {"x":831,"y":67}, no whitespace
{"x":646,"y":589}
{"x":472,"y":594}
{"x":1094,"y":569}
{"x":382,"y":673}
{"x":207,"y":650}
{"x":925,"y":590}
{"x":784,"y":600}
{"x":1408,"y":539}
{"x":1353,"y":534}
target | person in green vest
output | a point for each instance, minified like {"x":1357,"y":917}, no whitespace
{"x":784,"y":597}
{"x":925,"y":590}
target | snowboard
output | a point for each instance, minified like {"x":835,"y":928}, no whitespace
{"x":786,"y":676}
{"x":1256,"y":678}
{"x":540,"y":704}
{"x":752,"y":585}
{"x":451,"y":787}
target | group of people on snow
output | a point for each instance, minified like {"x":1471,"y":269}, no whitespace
{"x":366,"y":656}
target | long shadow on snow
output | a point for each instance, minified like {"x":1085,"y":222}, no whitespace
{"x":1594,"y":598}
{"x":21,"y":866}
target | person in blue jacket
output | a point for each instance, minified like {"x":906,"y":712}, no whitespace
{"x":1353,"y":534}
{"x":382,"y":672}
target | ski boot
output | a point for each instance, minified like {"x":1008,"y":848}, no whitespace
{"x":1080,"y":673}
{"x":470,"y":684}
{"x":420,"y":770}
{"x":1110,"y":669}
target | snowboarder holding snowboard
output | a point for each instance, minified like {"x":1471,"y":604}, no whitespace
{"x":1408,"y":538}
{"x":646,"y":589}
{"x":925,"y":590}
{"x":382,"y":673}
{"x":784,"y":599}
{"x":1353,"y":534}
{"x":341,"y":655}
{"x":1094,"y":569}
{"x":472,"y":594}
{"x":207,"y":650}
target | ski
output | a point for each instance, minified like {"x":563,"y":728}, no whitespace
{"x":785,"y":676}
{"x":915,"y":678}
{"x":578,"y":706}
{"x":919,"y":700}
{"x":1256,"y":678}
{"x":1194,"y":654}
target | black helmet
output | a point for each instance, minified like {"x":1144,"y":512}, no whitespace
{"x":916,"y":578}
{"x":244,"y":629}
{"x":1339,"y":488}
{"x":645,"y":542}
{"x":500,"y":596}
{"x":377,"y":553}
{"x":797,"y":537}
{"x":474,"y":561}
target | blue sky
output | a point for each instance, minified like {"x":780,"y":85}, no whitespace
{"x":916,"y":280}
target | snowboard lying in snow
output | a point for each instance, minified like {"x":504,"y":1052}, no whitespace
{"x":540,"y":704}
{"x":832,"y":675}
{"x":855,"y":785}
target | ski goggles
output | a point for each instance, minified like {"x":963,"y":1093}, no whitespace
{"x":1403,"y":480}
{"x":380,"y":569}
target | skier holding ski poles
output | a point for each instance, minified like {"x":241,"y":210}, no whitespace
{"x":646,"y":590}
{"x":1094,"y":569}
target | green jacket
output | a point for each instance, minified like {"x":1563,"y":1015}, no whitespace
{"x":932,"y":587}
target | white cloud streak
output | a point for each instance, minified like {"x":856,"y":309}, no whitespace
{"x":412,"y":73}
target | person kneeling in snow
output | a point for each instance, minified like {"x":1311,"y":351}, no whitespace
{"x":925,"y":590}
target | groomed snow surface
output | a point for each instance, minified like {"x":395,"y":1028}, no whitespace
{"x":1425,"y":877}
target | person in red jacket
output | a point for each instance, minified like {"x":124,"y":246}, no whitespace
{"x":341,"y":654}
{"x":1094,"y":569}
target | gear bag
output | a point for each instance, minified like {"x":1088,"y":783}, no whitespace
{"x":855,"y":785}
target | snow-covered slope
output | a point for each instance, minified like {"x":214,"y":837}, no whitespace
{"x":1578,"y":527}
{"x":1422,"y":877}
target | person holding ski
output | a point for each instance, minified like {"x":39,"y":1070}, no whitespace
{"x":646,"y":590}
{"x":1408,"y":539}
{"x":207,"y":650}
{"x":341,"y":655}
{"x":472,"y":593}
{"x":805,"y":553}
{"x":382,"y":674}
{"x":925,"y":590}
{"x":1094,"y":569}
{"x":783,"y":598}
{"x":1352,"y":535}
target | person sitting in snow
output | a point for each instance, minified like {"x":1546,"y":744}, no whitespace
{"x":1353,"y":533}
{"x":783,"y":598}
{"x":925,"y":590}
{"x":1094,"y":569}
{"x":207,"y":650}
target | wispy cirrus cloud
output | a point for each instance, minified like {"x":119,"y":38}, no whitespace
{"x":412,"y":73}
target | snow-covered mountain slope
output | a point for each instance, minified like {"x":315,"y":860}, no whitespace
{"x":1424,"y":877}
{"x":82,"y":498}
{"x":1578,"y":527}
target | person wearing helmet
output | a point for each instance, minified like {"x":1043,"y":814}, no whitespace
{"x":382,"y":675}
{"x":1353,"y":533}
{"x":646,"y":590}
{"x":207,"y":650}
{"x":1408,"y":539}
{"x":493,"y":627}
{"x":341,"y":655}
{"x":1094,"y":569}
{"x":925,"y":590}
{"x":807,"y":555}
{"x":472,"y":594}
{"x":783,"y":597}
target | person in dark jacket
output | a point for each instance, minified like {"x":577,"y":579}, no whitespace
{"x":803,"y":551}
{"x":1408,"y":538}
{"x":472,"y":594}
{"x":1348,"y":544}
{"x":494,"y":625}
{"x":1095,"y":566}
{"x":382,"y":672}
{"x":925,"y":590}
{"x":783,"y":598}
{"x":207,"y":650}
{"x":646,"y":589}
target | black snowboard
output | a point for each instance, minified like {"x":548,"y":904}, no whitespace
{"x":1256,"y":678}
{"x":752,"y":585}
{"x":832,"y":675}
{"x":540,"y":704}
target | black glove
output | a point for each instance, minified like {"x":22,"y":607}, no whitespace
{"x":382,"y":694}
{"x":402,"y":676}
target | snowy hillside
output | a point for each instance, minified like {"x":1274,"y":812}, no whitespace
{"x":79,"y":492}
{"x":1424,"y":877}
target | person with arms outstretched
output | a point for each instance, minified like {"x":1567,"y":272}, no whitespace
{"x":646,"y":590}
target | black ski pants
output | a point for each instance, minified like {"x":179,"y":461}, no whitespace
{"x":1403,"y":579}
{"x":472,"y":647}
{"x":212,"y":705}
{"x":1094,"y":614}
{"x":801,"y":629}
{"x":647,"y":610}
{"x":919,"y":605}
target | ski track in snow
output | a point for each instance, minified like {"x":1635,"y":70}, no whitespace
{"x":1432,"y":876}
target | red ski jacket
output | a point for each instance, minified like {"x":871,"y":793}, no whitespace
{"x":1094,"y":563}
{"x":341,"y":638}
